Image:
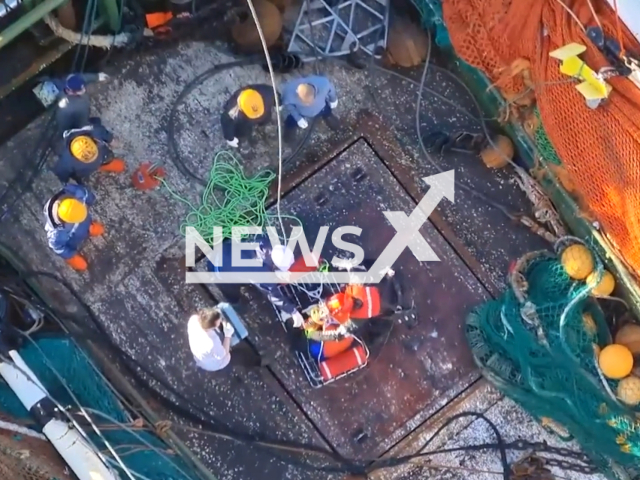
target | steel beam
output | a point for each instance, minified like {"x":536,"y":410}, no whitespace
{"x":27,"y":20}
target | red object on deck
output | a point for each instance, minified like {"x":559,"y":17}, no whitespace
{"x":147,"y":176}
{"x":300,"y":266}
{"x":342,"y":363}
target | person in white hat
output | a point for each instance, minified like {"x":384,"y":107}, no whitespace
{"x":278,"y":259}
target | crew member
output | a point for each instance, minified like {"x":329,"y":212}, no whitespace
{"x":69,"y":223}
{"x":74,"y":106}
{"x":274,"y":259}
{"x":366,"y":309}
{"x":210,"y":343}
{"x":84,"y":151}
{"x":249,"y":106}
{"x":305,"y":98}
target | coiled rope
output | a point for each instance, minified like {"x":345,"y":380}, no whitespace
{"x":230,"y":199}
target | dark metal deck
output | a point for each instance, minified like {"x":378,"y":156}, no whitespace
{"x":421,"y":366}
{"x":136,"y":286}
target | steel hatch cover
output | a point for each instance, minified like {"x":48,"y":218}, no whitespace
{"x":421,"y":367}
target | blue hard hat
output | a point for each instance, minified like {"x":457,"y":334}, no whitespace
{"x":75,"y":83}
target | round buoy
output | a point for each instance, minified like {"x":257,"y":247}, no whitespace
{"x":615,"y":361}
{"x":577,"y":261}
{"x":407,"y":44}
{"x":500,"y":155}
{"x":245,"y":34}
{"x":604,"y":287}
{"x":629,"y":336}
{"x":147,"y":176}
{"x":628,"y":390}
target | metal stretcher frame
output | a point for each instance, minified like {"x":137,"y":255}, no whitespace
{"x":300,"y":293}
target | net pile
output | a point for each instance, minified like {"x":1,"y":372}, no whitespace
{"x":538,"y":344}
{"x":510,"y":42}
{"x":63,"y":356}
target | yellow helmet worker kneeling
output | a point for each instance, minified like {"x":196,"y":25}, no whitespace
{"x":249,"y":106}
{"x":69,"y":223}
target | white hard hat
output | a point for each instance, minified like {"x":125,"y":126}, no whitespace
{"x":282,"y":258}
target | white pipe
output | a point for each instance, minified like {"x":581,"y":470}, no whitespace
{"x":76,"y":452}
{"x":629,"y":13}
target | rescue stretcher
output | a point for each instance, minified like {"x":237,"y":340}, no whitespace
{"x":307,"y":295}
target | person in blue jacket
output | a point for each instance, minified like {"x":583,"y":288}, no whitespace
{"x":74,"y":105}
{"x":85,"y":151}
{"x":307,"y":98}
{"x":69,"y":223}
{"x":273,"y":260}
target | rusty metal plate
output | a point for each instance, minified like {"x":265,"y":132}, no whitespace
{"x":422,"y":366}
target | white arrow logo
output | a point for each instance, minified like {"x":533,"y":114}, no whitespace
{"x":407,"y":235}
{"x":408,"y":228}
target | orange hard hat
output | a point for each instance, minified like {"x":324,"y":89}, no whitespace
{"x":340,"y":306}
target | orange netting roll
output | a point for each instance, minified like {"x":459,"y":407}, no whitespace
{"x":599,"y":148}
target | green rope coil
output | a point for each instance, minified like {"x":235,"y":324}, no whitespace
{"x":230,"y":199}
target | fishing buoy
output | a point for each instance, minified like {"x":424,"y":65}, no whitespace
{"x":407,"y":44}
{"x":628,"y":390}
{"x":615,"y":361}
{"x":629,"y":336}
{"x":577,"y":261}
{"x":604,"y":287}
{"x":500,"y":155}
{"x":245,"y":34}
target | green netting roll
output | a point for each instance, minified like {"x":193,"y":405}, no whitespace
{"x":537,"y":345}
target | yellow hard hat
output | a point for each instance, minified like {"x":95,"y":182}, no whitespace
{"x":84,"y":148}
{"x":71,"y":210}
{"x":251,"y":103}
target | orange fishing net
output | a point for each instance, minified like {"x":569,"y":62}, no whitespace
{"x":599,"y":148}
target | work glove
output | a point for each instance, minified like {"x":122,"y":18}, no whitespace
{"x":103,"y":77}
{"x":302,"y":123}
{"x":228,"y":329}
{"x":333,"y":104}
{"x":233,"y":143}
{"x":298,"y":320}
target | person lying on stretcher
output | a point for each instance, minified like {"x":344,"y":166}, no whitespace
{"x":366,"y":310}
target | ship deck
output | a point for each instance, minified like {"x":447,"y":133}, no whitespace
{"x":136,"y":279}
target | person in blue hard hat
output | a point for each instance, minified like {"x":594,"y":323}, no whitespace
{"x":69,"y":223}
{"x":74,"y":105}
{"x":307,"y":98}
{"x":274,"y":259}
{"x":85,"y":151}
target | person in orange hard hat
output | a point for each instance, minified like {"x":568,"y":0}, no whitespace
{"x":249,"y":106}
{"x":69,"y":223}
{"x":84,"y":151}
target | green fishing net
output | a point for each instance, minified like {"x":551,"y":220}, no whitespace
{"x":538,"y":344}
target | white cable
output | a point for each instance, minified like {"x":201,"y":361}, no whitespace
{"x":138,"y":436}
{"x":265,"y":48}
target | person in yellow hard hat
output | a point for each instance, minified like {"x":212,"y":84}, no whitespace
{"x":249,"y":106}
{"x":69,"y":223}
{"x":84,"y":151}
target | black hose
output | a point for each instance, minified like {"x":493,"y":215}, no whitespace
{"x":188,"y":89}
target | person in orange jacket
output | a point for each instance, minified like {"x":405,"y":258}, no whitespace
{"x":69,"y":223}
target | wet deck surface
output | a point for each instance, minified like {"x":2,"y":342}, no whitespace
{"x":136,"y":286}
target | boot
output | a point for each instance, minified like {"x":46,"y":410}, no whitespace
{"x":96,"y":229}
{"x":116,"y":165}
{"x":77,"y":262}
{"x":332,"y":122}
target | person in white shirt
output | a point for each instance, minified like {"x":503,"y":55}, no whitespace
{"x":211,"y":350}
